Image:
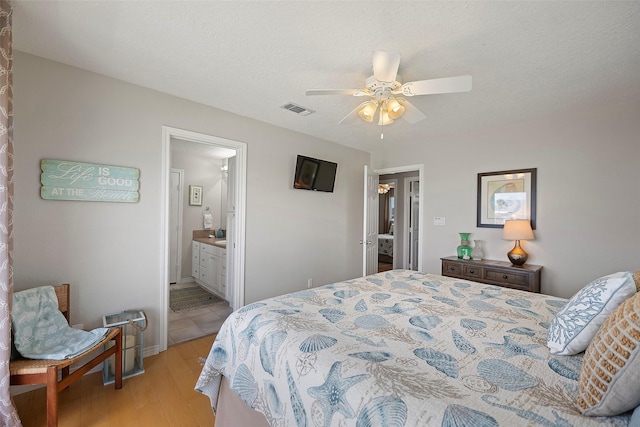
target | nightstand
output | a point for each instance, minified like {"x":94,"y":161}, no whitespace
{"x":525,"y":277}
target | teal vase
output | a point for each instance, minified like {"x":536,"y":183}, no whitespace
{"x":464,"y":250}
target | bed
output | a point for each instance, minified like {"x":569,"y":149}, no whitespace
{"x":385,"y":247}
{"x":398,"y":348}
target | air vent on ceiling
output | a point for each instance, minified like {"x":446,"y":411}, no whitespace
{"x":298,"y":109}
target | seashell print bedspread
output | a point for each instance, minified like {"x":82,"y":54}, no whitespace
{"x":385,"y":244}
{"x":399,"y":348}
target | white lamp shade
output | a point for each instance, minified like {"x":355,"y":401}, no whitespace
{"x":368,"y":111}
{"x":517,"y":229}
{"x":395,"y":109}
{"x":384,"y":118}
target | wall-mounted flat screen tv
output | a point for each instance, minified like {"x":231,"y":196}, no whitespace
{"x":314,"y":174}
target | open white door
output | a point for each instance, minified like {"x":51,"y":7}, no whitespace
{"x":231,"y":228}
{"x":175,"y":225}
{"x":369,"y":240}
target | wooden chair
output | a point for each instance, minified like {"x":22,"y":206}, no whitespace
{"x":32,"y":371}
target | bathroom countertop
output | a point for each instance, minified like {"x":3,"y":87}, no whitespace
{"x":212,"y":241}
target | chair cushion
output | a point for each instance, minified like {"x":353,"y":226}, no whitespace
{"x":609,"y":379}
{"x":573,"y":327}
{"x":42,"y":332}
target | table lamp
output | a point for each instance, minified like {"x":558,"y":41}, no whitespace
{"x":517,"y":229}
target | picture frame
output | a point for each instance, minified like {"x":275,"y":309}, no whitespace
{"x":195,"y":195}
{"x":506,"y":195}
{"x":307,"y":174}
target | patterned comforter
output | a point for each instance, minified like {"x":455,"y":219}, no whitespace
{"x":385,"y":244}
{"x":399,"y":348}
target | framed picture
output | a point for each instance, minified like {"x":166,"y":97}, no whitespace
{"x":195,"y":195}
{"x":506,"y":195}
{"x":306,"y":174}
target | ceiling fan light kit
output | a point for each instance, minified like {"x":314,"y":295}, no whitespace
{"x":385,"y":83}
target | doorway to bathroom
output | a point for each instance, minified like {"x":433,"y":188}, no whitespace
{"x":202,"y":175}
{"x":198,"y":300}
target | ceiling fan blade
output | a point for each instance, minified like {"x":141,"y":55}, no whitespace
{"x":331,"y":92}
{"x":436,"y":86}
{"x":353,"y":115}
{"x":385,"y":65}
{"x":411,"y":113}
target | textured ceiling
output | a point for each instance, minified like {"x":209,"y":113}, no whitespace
{"x":526,"y":58}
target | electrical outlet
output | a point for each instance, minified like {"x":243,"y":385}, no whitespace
{"x":438,"y":220}
{"x":309,"y":283}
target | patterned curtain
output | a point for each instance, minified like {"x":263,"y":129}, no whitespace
{"x":8,"y":414}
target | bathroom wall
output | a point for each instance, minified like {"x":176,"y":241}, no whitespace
{"x":205,"y":172}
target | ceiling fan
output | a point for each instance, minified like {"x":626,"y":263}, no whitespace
{"x":385,"y":89}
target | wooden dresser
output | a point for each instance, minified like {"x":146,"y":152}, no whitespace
{"x":525,"y":277}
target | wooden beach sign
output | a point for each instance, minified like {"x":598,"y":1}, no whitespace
{"x":68,"y":180}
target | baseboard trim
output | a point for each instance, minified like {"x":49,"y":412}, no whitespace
{"x":151,"y":351}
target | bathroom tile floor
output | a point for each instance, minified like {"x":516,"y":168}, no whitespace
{"x":188,"y":325}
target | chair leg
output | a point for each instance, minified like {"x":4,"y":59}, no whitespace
{"x":52,"y":396}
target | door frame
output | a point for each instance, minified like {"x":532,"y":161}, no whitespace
{"x":412,"y":168}
{"x":237,"y":252}
{"x":393,"y":181}
{"x":407,"y":214}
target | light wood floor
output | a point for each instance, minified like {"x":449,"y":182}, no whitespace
{"x":162,"y":396}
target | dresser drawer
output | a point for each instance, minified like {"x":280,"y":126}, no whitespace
{"x":451,"y":268}
{"x":472,"y":272}
{"x":499,"y":276}
{"x":208,"y":249}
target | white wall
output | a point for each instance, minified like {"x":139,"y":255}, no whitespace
{"x":300,"y":234}
{"x":587,"y":198}
{"x":110,"y":252}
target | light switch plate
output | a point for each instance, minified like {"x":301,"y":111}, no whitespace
{"x":438,"y":220}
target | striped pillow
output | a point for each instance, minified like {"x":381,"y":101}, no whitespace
{"x":609,"y":379}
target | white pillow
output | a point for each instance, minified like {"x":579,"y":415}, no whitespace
{"x":575,"y":325}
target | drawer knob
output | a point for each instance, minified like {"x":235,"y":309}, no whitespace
{"x":505,"y":277}
{"x":472,"y":271}
{"x":452,"y":268}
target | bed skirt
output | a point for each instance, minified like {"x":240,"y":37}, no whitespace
{"x":233,"y":412}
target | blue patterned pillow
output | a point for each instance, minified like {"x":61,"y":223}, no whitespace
{"x":575,"y":325}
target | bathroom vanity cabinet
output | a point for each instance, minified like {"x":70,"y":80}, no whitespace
{"x":209,"y":267}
